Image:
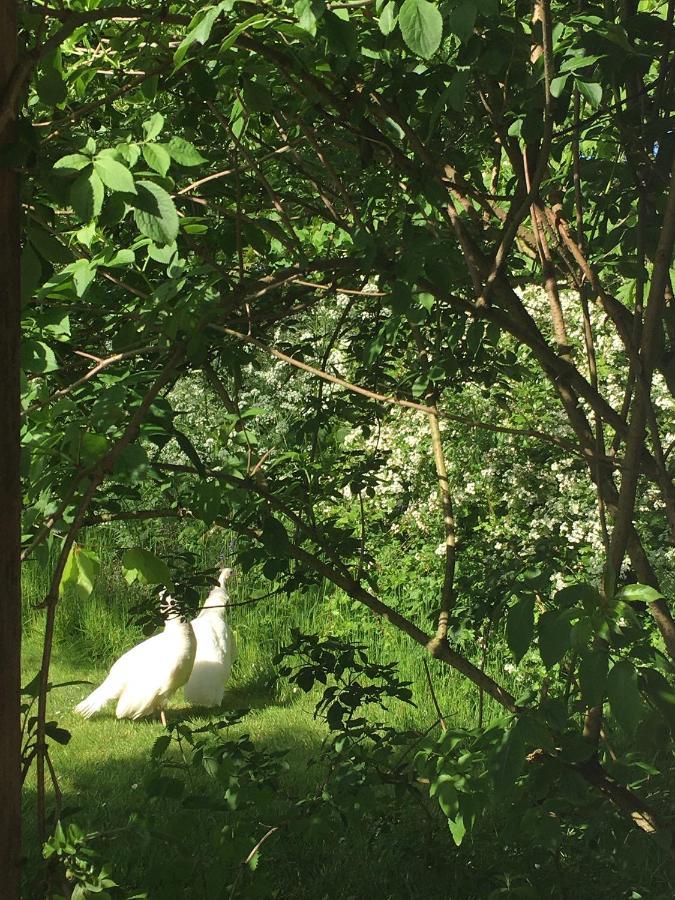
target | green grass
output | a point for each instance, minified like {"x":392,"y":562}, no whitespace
{"x":400,"y":851}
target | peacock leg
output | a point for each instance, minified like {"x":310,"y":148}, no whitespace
{"x":162,"y":716}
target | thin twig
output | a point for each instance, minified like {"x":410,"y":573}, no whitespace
{"x":237,"y":170}
{"x":434,"y":699}
{"x":101,"y":364}
{"x":357,"y":389}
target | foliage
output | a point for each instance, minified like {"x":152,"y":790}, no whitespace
{"x":245,"y":774}
{"x":359,"y":683}
{"x":454,"y":219}
{"x":82,"y":871}
{"x":103,"y":769}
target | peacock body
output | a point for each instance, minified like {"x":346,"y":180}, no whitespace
{"x":216,"y":648}
{"x":143,"y":679}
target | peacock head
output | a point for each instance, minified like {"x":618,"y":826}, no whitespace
{"x":169,"y":607}
{"x":224,"y":575}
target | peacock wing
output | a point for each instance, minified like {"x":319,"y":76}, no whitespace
{"x":145,"y":672}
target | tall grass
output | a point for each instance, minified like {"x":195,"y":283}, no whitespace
{"x":101,"y":769}
{"x":401,"y":852}
{"x":96,"y":630}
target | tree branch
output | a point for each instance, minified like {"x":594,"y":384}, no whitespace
{"x":9,"y":102}
{"x":635,"y":439}
{"x":97,"y":475}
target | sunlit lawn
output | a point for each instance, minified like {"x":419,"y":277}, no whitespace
{"x":402,"y":850}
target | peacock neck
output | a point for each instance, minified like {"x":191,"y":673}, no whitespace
{"x":215,"y":603}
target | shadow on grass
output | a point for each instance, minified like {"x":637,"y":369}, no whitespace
{"x":390,"y":850}
{"x":155,"y":845}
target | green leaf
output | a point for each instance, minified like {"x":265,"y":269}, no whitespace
{"x":190,"y":451}
{"x":73,"y":162}
{"x":89,"y":565}
{"x":129,"y":153}
{"x":520,"y":627}
{"x":444,"y":790}
{"x":163,"y":254}
{"x":231,"y":39}
{"x":184,"y":152}
{"x":91,"y":447}
{"x":202,"y":31}
{"x":165,"y":786}
{"x":84,"y":272}
{"x":573,"y":594}
{"x":420,"y":386}
{"x":456,"y":92}
{"x":48,"y":246}
{"x":122,"y":257}
{"x":153,"y":126}
{"x":306,"y":12}
{"x":535,"y":731}
{"x":57,"y":322}
{"x":157,"y":157}
{"x":541,"y":828}
{"x":207,"y":501}
{"x":401,"y":298}
{"x":341,"y":35}
{"x":114,"y":175}
{"x":593,"y":676}
{"x":80,"y":571}
{"x":85,"y":235}
{"x":661,"y":693}
{"x":254,"y":411}
{"x":554,"y":637}
{"x":50,"y":86}
{"x":275,"y":537}
{"x":457,"y":829}
{"x":133,"y":463}
{"x":632,"y":593}
{"x":624,"y":696}
{"x":575,"y":63}
{"x":86,"y":196}
{"x":156,"y":214}
{"x":305,"y":679}
{"x":511,"y":758}
{"x":462,"y":21}
{"x":199,"y":30}
{"x":143,"y":565}
{"x":37,"y":357}
{"x":160,"y":746}
{"x":257,"y":98}
{"x":114,"y":210}
{"x":581,"y":634}
{"x":149,"y":87}
{"x":237,"y":120}
{"x":421,"y":26}
{"x":31,"y":272}
{"x":388,"y":18}
{"x":515,"y":128}
{"x":558,"y":85}
{"x":60,"y":735}
{"x":591,"y":91}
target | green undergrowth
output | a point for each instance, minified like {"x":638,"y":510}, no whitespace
{"x":403,"y":850}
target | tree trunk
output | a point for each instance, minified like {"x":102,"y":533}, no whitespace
{"x":10,"y":488}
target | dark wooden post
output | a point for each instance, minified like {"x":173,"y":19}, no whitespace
{"x":10,"y":488}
